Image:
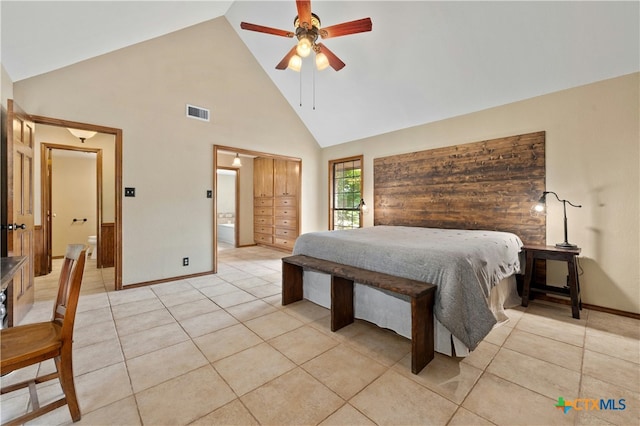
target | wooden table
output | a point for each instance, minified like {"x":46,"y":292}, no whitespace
{"x":572,"y":289}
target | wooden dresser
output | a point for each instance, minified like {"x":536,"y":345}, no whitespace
{"x":276,"y":206}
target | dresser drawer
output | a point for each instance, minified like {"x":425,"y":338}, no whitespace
{"x":285,"y":201}
{"x":263,"y":238}
{"x":263,"y":220}
{"x":286,"y":212}
{"x":263,"y":202}
{"x":283,"y":222}
{"x":262,"y":229}
{"x":286,"y":233}
{"x":285,"y":242}
{"x":263,"y":211}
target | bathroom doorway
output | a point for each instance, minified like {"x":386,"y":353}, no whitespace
{"x":227,"y":207}
{"x":72,"y":197}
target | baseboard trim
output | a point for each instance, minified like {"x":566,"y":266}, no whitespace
{"x":589,"y":306}
{"x":166,"y":280}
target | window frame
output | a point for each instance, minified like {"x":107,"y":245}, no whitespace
{"x":331,"y":183}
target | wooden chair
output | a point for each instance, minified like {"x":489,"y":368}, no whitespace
{"x":30,"y":344}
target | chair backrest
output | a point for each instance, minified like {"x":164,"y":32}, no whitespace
{"x":64,"y":310}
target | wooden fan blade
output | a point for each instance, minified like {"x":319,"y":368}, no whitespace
{"x":346,"y":28}
{"x":334,"y":61}
{"x":267,"y":30}
{"x":304,"y":13}
{"x":284,"y":63}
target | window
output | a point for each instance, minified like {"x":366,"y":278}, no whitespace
{"x":345,"y":176}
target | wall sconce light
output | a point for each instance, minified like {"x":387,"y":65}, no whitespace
{"x":82,"y":134}
{"x":363,"y":206}
{"x":236,"y":161}
{"x":541,"y":207}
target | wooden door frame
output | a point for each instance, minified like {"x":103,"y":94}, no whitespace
{"x":251,"y":153}
{"x":117,"y":133}
{"x":45,"y":195}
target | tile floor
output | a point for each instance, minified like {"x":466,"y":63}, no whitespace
{"x":220,"y":349}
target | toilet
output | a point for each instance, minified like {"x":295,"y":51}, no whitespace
{"x":93,"y":240}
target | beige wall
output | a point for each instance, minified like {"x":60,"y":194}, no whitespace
{"x":73,"y":186}
{"x":592,"y":158}
{"x":167,"y":157}
{"x":6,"y":86}
{"x":592,"y":150}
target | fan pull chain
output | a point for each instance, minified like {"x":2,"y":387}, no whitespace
{"x":314,"y":87}
{"x":300,"y":88}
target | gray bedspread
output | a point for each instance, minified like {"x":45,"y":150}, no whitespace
{"x":465,"y":265}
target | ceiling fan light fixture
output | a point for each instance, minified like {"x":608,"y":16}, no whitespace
{"x":321,"y":61}
{"x":295,"y":63}
{"x":304,"y":47}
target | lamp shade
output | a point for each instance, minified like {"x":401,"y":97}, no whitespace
{"x":236,"y":161}
{"x":321,"y":61}
{"x":82,"y":134}
{"x":295,"y":63}
{"x":304,"y":47}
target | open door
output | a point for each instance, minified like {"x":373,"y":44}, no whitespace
{"x":19,"y":221}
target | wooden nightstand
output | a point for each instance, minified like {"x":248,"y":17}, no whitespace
{"x":533,"y":252}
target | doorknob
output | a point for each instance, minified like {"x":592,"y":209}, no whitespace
{"x":11,"y":227}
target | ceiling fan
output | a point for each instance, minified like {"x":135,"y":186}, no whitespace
{"x":307,"y":30}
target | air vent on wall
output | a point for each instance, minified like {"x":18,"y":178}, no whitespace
{"x":197,"y":112}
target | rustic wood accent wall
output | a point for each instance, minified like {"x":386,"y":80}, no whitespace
{"x":482,"y":185}
{"x":107,"y":249}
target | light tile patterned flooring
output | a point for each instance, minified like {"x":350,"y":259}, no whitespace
{"x":220,"y":349}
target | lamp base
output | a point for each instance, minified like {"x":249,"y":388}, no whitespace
{"x":566,"y":245}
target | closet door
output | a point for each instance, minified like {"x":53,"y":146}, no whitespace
{"x":263,"y":177}
{"x":286,"y":176}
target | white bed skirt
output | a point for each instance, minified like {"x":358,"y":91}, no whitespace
{"x":391,"y":312}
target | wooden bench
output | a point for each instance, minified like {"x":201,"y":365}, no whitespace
{"x":342,"y":312}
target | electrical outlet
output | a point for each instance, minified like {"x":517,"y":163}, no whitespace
{"x":185,"y":261}
{"x":129,"y":192}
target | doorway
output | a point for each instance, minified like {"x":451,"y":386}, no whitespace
{"x":227,"y":207}
{"x":72,"y":194}
{"x":226,"y":157}
{"x":110,"y":232}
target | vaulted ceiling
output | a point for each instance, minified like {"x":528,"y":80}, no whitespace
{"x":423,"y":61}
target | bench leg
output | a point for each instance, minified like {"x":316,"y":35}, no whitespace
{"x":422,"y":345}
{"x":291,"y":283}
{"x":342,"y":312}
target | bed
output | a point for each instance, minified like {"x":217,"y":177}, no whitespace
{"x":473,"y":270}
{"x":472,"y":200}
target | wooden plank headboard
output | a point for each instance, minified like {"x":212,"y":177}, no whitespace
{"x":482,"y":185}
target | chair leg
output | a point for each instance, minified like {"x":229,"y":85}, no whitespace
{"x":64,"y":364}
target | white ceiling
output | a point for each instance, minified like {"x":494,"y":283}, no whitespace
{"x":424,"y":60}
